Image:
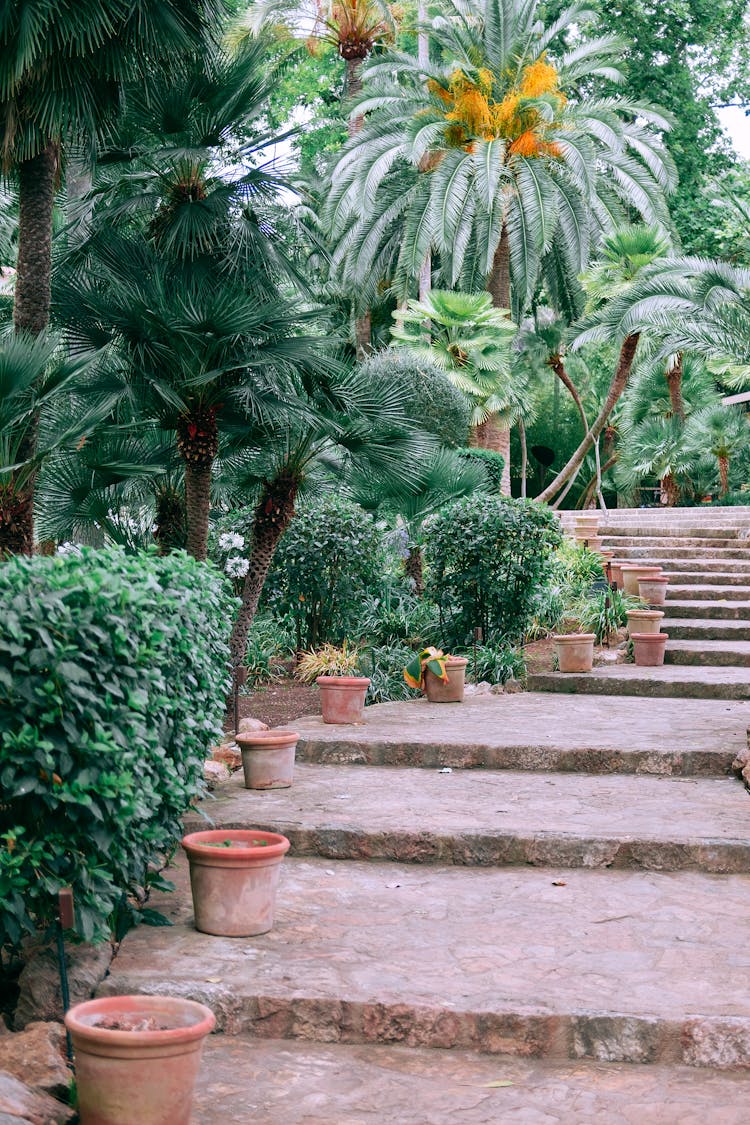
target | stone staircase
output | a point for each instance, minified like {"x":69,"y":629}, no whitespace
{"x":492,"y":911}
{"x":706,"y":555}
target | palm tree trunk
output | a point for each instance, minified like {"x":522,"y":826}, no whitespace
{"x":273,"y":515}
{"x":557,"y":365}
{"x":362,"y":324}
{"x":674,"y":382}
{"x":171,"y":527}
{"x":490,"y":434}
{"x":585,"y":498}
{"x":616,"y":388}
{"x":524,"y":455}
{"x":363,"y":334}
{"x":197,"y":507}
{"x":37,"y":179}
{"x":498,"y":283}
{"x":414,"y":569}
{"x":724,"y":474}
{"x":670,"y":491}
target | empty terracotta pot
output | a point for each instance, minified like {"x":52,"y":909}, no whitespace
{"x":268,"y":758}
{"x":342,"y":698}
{"x":575,"y":652}
{"x":593,"y":541}
{"x":452,"y":692}
{"x":644,"y":621}
{"x":648,"y":648}
{"x":234,"y":874}
{"x":653,"y":589}
{"x":615,"y":569}
{"x":631,"y":572}
{"x":124,"y":1076}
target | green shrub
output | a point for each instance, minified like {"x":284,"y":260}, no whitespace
{"x":495,"y":665}
{"x":385,"y":664}
{"x":488,"y":557}
{"x":436,"y":405}
{"x":330,"y":559}
{"x":492,"y":462}
{"x":604,"y":613}
{"x":113,"y":675}
{"x":398,"y":615}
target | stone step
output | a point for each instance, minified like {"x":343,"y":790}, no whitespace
{"x":268,"y":1081}
{"x":695,"y":629}
{"x":670,"y":680}
{"x":707,"y":592}
{"x":714,"y":609}
{"x":731,"y":567}
{"x":658,"y":542}
{"x":625,"y":966}
{"x":725,"y":557}
{"x":488,"y":819}
{"x":538,"y":732}
{"x":706,"y":577}
{"x":730,"y":515}
{"x":708,"y":652}
{"x":697,"y":531}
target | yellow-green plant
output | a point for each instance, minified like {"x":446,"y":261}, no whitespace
{"x":432,"y":658}
{"x":329,"y":660}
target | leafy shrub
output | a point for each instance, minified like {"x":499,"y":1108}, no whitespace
{"x":398,"y":615}
{"x":330,"y":559}
{"x":113,"y":675}
{"x":492,"y":462}
{"x":268,"y":646}
{"x":496,"y":665}
{"x":488,"y":557}
{"x":385,"y":664}
{"x":436,"y":405}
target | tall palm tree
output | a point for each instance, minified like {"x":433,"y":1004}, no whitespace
{"x":722,"y":432}
{"x":63,"y":69}
{"x":512,"y":168}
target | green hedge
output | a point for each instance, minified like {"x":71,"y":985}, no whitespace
{"x":113,"y":676}
{"x":488,"y":557}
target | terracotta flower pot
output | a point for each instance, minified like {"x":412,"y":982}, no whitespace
{"x":575,"y":652}
{"x":234,"y":887}
{"x":593,"y":541}
{"x":268,"y":758}
{"x":631,"y":572}
{"x":644,"y":621}
{"x":124,"y":1077}
{"x":452,"y":692}
{"x":615,"y":570}
{"x":653,"y":589}
{"x":342,"y":698}
{"x":648,"y":648}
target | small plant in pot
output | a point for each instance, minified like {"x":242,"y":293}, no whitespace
{"x":234,"y":876}
{"x":342,"y":692}
{"x":137,"y":1058}
{"x":440,"y":676}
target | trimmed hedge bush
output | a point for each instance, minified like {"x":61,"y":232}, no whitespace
{"x":436,"y":405}
{"x":113,"y":677}
{"x":488,"y":558}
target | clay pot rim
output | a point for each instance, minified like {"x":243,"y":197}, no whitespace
{"x":573,"y":638}
{"x":655,"y":578}
{"x":642,"y":566}
{"x":197,"y":846}
{"x":343,"y":681}
{"x":266,"y":739}
{"x":454,"y":662}
{"x":650,"y":638}
{"x":649,"y":613}
{"x":77,"y":1021}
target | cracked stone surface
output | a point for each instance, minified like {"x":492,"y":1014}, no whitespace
{"x":539,"y":731}
{"x":267,"y":1082}
{"x":610,"y":965}
{"x":486,"y":817}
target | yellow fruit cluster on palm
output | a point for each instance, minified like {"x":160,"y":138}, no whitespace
{"x":473,"y":113}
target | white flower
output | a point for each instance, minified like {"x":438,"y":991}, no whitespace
{"x":68,"y":549}
{"x":231,"y":541}
{"x":236,"y":566}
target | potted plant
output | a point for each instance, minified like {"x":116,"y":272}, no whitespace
{"x":648,"y":648}
{"x":268,"y":758}
{"x":234,"y":875}
{"x":575,"y":651}
{"x":342,"y":694}
{"x":440,"y":676}
{"x":137,"y":1058}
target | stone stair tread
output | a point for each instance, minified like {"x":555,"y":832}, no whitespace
{"x":700,"y":591}
{"x":708,"y":578}
{"x":708,"y":652}
{"x":703,"y":682}
{"x":265,"y":1082}
{"x":685,"y":628}
{"x":715,"y":610}
{"x":645,"y":966}
{"x":536,"y":731}
{"x":489,"y":818}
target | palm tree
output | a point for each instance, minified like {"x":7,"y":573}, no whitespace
{"x":720,"y":431}
{"x":469,"y":339}
{"x":512,"y":169}
{"x":657,"y":448}
{"x":62,"y":73}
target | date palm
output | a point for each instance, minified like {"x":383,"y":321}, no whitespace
{"x":721,"y":432}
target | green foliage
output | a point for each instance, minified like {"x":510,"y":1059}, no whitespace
{"x":397,"y":615}
{"x":384,"y":664}
{"x":604,"y":613}
{"x":487,"y":559}
{"x":329,"y":660}
{"x":492,"y":462}
{"x":433,"y":402}
{"x":113,"y":675}
{"x":496,"y":664}
{"x":330,"y":559}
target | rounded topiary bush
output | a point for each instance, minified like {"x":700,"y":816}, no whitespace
{"x":113,"y":676}
{"x":487,"y":560}
{"x":332,"y":556}
{"x":434,"y":403}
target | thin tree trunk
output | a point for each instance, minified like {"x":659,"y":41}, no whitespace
{"x":616,"y":388}
{"x":414,"y":569}
{"x":524,"y":455}
{"x":585,"y":497}
{"x":557,"y":365}
{"x":724,"y":474}
{"x":273,"y":515}
{"x":491,"y":435}
{"x":197,"y":507}
{"x":674,"y":382}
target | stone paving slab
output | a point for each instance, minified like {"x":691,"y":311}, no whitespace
{"x":267,"y":1082}
{"x":538,"y":731}
{"x":488,"y":819}
{"x":697,"y":682}
{"x":616,"y":966}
